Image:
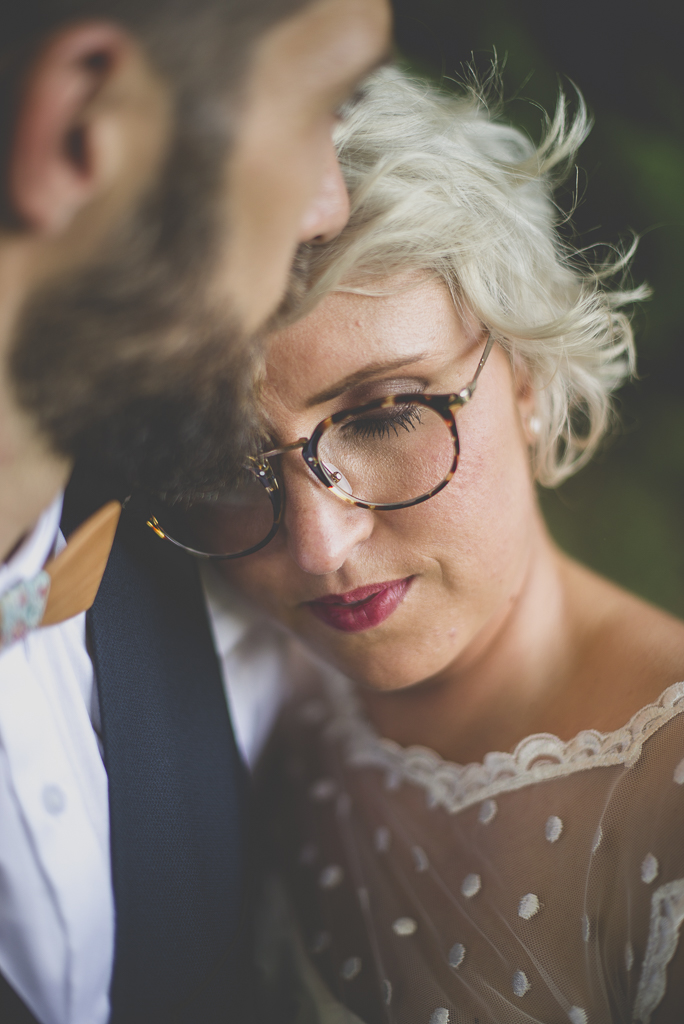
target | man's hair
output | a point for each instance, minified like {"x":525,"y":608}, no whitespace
{"x":439,"y":184}
{"x":123,"y":364}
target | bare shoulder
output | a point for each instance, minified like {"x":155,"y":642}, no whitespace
{"x":629,"y":651}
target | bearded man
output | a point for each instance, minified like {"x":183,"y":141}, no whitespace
{"x":162,"y":159}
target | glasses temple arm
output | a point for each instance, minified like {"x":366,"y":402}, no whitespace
{"x":467,"y":392}
{"x":487,"y":349}
{"x":286,"y":448}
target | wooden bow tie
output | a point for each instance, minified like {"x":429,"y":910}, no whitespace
{"x":68,"y":583}
{"x":77,"y":571}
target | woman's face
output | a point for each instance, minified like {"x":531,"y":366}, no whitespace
{"x":408,"y":593}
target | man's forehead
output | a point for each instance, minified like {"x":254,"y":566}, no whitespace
{"x":330,"y":40}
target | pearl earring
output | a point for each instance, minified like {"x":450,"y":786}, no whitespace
{"x":534,"y":424}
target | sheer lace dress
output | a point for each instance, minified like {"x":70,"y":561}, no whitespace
{"x":543,"y":885}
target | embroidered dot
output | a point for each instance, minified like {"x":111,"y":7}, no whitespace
{"x":351,"y":968}
{"x":576,"y":1015}
{"x":386,"y":992}
{"x":343,"y":805}
{"x":331,"y":876}
{"x":471,"y":886}
{"x":456,"y":955}
{"x":528,"y":906}
{"x":404,"y":926}
{"x":420,"y":859}
{"x":679,"y":773}
{"x":321,"y":942}
{"x":487,"y":812}
{"x":54,"y":799}
{"x":586,"y":928}
{"x":440,"y":1016}
{"x":629,"y":957}
{"x":323,"y":790}
{"x":649,"y":869}
{"x":598,"y":836}
{"x":383,"y":839}
{"x":308,"y":854}
{"x":521,"y":984}
{"x":553,"y":828}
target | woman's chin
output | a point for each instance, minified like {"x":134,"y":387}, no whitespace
{"x":394,"y":655}
{"x":381,"y":669}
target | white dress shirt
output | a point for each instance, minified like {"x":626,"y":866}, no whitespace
{"x":253,"y":658}
{"x":56,"y":900}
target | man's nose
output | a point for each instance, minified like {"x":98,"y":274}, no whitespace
{"x":328,"y":212}
{"x":322,"y":531}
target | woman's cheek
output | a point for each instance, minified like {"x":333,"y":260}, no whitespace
{"x":477,"y":539}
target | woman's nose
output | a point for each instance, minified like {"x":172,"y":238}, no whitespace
{"x":322,"y":531}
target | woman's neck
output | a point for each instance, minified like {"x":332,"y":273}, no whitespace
{"x":569,"y":651}
{"x":483,"y":699}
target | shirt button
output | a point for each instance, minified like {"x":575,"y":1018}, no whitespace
{"x":54,"y":800}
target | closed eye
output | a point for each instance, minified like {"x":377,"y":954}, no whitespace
{"x":385,"y":422}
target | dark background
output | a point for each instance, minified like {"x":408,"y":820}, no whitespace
{"x":624,"y":514}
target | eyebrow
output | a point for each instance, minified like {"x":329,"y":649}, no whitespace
{"x":373,"y":370}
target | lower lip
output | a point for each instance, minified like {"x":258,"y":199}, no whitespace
{"x":357,"y":616}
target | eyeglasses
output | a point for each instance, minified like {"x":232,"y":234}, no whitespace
{"x":389,"y":454}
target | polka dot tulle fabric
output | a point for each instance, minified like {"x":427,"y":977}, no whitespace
{"x":546,"y":885}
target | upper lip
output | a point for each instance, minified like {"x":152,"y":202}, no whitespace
{"x":354,"y":596}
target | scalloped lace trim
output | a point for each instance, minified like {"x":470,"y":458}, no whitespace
{"x":535,"y":759}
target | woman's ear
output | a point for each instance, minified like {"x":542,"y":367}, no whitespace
{"x":525,"y":397}
{"x":73,"y":134}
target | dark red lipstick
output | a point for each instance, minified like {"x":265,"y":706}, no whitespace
{"x":363,"y":608}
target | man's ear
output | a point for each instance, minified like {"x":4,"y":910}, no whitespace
{"x":65,"y":150}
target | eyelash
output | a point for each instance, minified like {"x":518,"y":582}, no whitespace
{"x":406,"y":418}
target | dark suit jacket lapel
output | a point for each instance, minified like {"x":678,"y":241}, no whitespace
{"x":177,"y":790}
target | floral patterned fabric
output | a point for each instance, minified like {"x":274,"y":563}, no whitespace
{"x":22,"y":608}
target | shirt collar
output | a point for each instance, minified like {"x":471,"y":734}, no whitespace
{"x":231,"y":616}
{"x":34,"y":550}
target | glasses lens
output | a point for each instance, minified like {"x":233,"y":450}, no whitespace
{"x":226,"y":522}
{"x":388,"y":456}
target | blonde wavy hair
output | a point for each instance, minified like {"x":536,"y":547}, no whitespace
{"x":438,"y":185}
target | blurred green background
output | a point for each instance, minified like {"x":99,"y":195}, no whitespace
{"x":623,"y":514}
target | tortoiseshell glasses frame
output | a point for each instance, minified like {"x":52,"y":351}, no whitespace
{"x":446,"y":406}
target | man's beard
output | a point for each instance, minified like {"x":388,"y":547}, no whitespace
{"x":125,"y":366}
